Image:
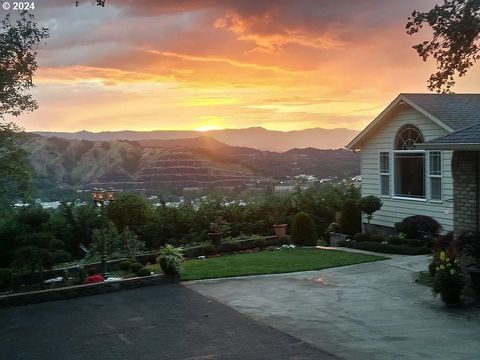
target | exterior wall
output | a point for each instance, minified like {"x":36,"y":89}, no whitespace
{"x":465,"y":185}
{"x":395,"y":210}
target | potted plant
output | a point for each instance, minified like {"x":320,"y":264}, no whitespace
{"x":216,"y":230}
{"x":448,"y":281}
{"x":280,"y":230}
{"x":170,"y":259}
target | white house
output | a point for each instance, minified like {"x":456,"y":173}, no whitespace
{"x":421,"y":156}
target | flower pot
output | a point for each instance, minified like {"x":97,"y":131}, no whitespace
{"x":215,"y":238}
{"x":450,"y":294}
{"x":280,"y":230}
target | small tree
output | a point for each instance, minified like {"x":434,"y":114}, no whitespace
{"x":130,"y":244}
{"x":350,"y":218}
{"x":369,"y":205}
{"x":304,"y":232}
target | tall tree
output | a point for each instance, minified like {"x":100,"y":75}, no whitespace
{"x":19,"y":43}
{"x":455,"y":43}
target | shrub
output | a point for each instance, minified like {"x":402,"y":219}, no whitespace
{"x":390,"y":249}
{"x":233,"y":246}
{"x":304,"y":231}
{"x":170,"y":260}
{"x":396,"y":239}
{"x":134,"y":267}
{"x":6,"y":276}
{"x":377,"y":238}
{"x":359,"y":237}
{"x":350,"y":218}
{"x":260,"y":242}
{"x":415,"y":243}
{"x":143,"y":272}
{"x":469,"y":243}
{"x":125,"y":265}
{"x":417,"y":226}
{"x":209,"y":249}
{"x":285,"y":240}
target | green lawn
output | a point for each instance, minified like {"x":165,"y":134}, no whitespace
{"x":269,"y":262}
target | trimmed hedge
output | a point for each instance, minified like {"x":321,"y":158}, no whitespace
{"x":389,"y":248}
{"x":304,"y":231}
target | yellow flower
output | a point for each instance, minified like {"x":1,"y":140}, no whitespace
{"x":442,"y":267}
{"x":442,"y":255}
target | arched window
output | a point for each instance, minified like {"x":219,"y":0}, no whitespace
{"x":409,"y":163}
{"x":407,"y":136}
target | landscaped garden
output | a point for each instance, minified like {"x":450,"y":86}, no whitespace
{"x":268,"y":262}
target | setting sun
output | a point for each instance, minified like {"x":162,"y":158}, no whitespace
{"x":208,"y":128}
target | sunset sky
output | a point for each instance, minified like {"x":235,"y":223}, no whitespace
{"x":206,"y":64}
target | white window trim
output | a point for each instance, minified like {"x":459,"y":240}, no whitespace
{"x":438,"y":201}
{"x":389,"y":174}
{"x":400,"y":197}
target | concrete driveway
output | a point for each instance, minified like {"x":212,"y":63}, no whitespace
{"x":160,"y":322}
{"x":366,"y":311}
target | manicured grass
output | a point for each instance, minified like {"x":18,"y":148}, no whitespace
{"x":269,"y":262}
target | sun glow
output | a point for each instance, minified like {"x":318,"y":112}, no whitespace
{"x":208,"y":128}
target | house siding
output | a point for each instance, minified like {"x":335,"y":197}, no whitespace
{"x":395,"y":210}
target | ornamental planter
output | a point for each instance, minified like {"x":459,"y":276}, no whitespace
{"x":450,"y":294}
{"x":280,"y":230}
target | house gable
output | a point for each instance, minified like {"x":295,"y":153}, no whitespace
{"x":400,"y":102}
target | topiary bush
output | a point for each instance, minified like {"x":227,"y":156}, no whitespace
{"x":350,"y":218}
{"x":359,"y":237}
{"x":143,"y":272}
{"x":125,"y":265}
{"x":134,"y":267}
{"x":369,"y":205}
{"x":304,"y":232}
{"x":418,"y":226}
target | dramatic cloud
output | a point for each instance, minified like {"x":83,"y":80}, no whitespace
{"x":282,"y":64}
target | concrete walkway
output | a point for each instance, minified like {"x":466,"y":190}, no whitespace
{"x":366,"y":311}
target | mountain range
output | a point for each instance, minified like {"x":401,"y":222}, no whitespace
{"x":253,"y":137}
{"x":154,"y":163}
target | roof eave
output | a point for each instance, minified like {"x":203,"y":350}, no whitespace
{"x":356,"y":142}
{"x":448,"y":146}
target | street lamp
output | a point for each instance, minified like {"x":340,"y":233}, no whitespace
{"x":100,"y":197}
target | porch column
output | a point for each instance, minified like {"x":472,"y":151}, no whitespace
{"x":465,"y":173}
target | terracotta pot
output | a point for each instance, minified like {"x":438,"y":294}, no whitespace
{"x":280,"y":230}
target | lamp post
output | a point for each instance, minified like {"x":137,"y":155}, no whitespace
{"x":100,"y":197}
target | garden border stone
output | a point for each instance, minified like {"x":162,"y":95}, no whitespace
{"x":70,"y":292}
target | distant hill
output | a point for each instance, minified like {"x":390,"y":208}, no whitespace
{"x":150,"y":164}
{"x":254,"y":137}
